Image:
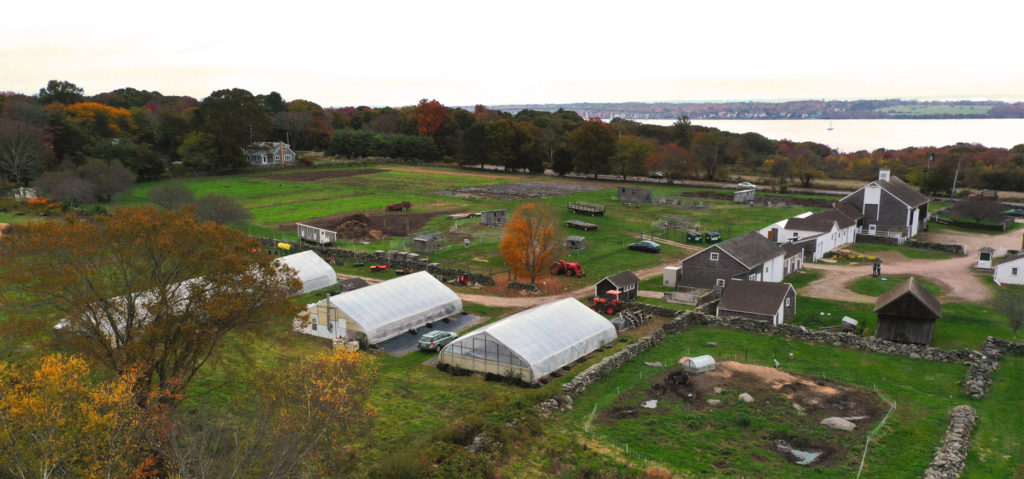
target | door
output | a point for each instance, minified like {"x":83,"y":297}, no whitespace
{"x":773,"y":234}
{"x":871,"y":229}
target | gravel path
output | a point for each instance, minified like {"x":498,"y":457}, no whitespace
{"x":955,"y":275}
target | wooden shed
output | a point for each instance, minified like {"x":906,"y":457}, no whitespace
{"x":576,"y":243}
{"x":634,"y":195}
{"x":907,"y":314}
{"x":493,"y":218}
{"x":625,"y":283}
{"x":424,"y":244}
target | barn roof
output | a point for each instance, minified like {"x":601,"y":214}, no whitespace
{"x":902,"y":191}
{"x":792,"y":249}
{"x":915,"y":290}
{"x":1006,"y":259}
{"x":750,"y":249}
{"x":810,"y":223}
{"x":753,"y":296}
{"x":623,"y":278}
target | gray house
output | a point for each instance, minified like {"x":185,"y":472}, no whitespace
{"x":625,"y":283}
{"x":771,"y":302}
{"x":634,"y":195}
{"x":269,"y":153}
{"x":889,"y":207}
{"x":492,"y":218}
{"x":749,"y":256}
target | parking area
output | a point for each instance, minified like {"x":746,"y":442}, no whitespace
{"x":406,"y":343}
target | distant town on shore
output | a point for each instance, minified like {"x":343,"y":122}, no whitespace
{"x":786,"y":110}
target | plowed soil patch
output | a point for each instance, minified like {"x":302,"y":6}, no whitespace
{"x":360,"y":227}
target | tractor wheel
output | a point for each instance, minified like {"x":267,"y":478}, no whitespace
{"x":570,"y":272}
{"x":610,"y":310}
{"x":554,"y":270}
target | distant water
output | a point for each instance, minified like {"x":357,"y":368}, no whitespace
{"x":854,"y":135}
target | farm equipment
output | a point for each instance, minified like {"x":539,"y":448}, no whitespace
{"x":403,"y":206}
{"x":401,"y":271}
{"x":462,"y":280}
{"x":567,"y":268}
{"x":379,"y":267}
{"x":607,"y":304}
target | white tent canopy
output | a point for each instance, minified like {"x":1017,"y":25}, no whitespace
{"x":388,"y":309}
{"x":311,"y":269}
{"x":532,"y":343}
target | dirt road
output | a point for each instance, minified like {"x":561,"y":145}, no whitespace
{"x":955,"y":275}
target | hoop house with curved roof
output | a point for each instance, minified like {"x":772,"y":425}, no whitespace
{"x":533,"y":343}
{"x":388,"y":309}
{"x":311,"y":269}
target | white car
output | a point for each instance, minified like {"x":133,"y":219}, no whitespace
{"x":746,"y":185}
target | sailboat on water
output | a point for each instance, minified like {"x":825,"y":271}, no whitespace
{"x":830,"y":125}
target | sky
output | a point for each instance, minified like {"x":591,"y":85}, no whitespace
{"x":377,"y":53}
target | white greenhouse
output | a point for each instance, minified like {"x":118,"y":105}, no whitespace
{"x":311,"y":269}
{"x":384,"y":310}
{"x":533,"y":343}
{"x":699,"y":364}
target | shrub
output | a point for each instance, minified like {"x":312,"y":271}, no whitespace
{"x":657,"y":472}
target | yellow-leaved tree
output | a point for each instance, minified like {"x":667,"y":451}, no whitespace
{"x":530,"y":241}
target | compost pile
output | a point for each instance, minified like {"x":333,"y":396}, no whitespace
{"x":358,"y":227}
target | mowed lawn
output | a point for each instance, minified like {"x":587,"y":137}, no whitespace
{"x":704,"y":446}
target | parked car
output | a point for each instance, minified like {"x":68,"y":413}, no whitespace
{"x":435,"y":340}
{"x":746,"y":185}
{"x":656,"y":175}
{"x":645,"y":245}
{"x":1017,"y":213}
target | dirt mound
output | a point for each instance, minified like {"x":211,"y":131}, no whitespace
{"x":320,"y":175}
{"x":361,"y":227}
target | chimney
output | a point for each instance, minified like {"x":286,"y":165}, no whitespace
{"x":883,"y":174}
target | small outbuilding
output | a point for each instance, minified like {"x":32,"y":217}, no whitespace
{"x":493,"y":218}
{"x":634,"y":195}
{"x":311,"y":269}
{"x":626,"y":283}
{"x":699,"y":364}
{"x":576,"y":243}
{"x":744,"y":196}
{"x":316,"y":235}
{"x":771,"y":302}
{"x":391,"y":308}
{"x":907,"y":314}
{"x":670,"y":276}
{"x":531,"y":344}
{"x":985,"y":257}
{"x":424,"y":244}
{"x":1008,"y":270}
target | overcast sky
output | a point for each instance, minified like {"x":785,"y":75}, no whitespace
{"x":463,"y":53}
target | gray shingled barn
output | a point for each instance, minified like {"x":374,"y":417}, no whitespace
{"x":907,"y":314}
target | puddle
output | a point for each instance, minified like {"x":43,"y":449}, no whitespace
{"x":804,"y":457}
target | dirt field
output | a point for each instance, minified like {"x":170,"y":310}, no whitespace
{"x":715,"y":195}
{"x":320,"y":175}
{"x":810,"y":396}
{"x":358,"y":227}
{"x":521,"y":190}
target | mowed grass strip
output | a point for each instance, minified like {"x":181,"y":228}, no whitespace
{"x":906,"y":251}
{"x":872,"y":286}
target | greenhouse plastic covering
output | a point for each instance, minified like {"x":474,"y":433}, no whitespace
{"x":311,"y":269}
{"x":388,"y":309}
{"x":546,"y":337}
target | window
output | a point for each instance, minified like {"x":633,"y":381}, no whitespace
{"x":986,"y":256}
{"x":1013,"y":272}
{"x":720,"y":282}
{"x":787,"y":302}
{"x":752,"y":277}
{"x":714,"y":256}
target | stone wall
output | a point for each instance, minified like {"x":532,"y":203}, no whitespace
{"x":949,"y":248}
{"x":394,"y":259}
{"x":979,"y":372}
{"x":862,"y":238}
{"x":949,"y":460}
{"x":578,"y":384}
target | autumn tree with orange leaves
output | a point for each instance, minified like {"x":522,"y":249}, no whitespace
{"x":144,"y":290}
{"x":55,"y":422}
{"x":530,"y":241}
{"x":430,"y":115}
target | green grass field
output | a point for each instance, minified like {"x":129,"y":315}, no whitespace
{"x":803,"y":277}
{"x":872,"y":286}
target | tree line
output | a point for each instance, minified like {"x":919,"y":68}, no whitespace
{"x":59,"y":139}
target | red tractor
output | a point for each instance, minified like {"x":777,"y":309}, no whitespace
{"x":379,"y":267}
{"x":567,"y":268}
{"x":403,"y":206}
{"x":607,"y":304}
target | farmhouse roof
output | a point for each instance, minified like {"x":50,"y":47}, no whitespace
{"x":792,"y":249}
{"x":914,"y":289}
{"x":1006,"y":259}
{"x":754,"y":296}
{"x":850,"y":211}
{"x":810,"y":224}
{"x":750,"y":249}
{"x":623,"y":278}
{"x":987,"y":249}
{"x":841,"y":217}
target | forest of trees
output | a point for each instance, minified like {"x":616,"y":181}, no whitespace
{"x":83,"y":149}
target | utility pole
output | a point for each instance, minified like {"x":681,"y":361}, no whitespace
{"x":952,"y":194}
